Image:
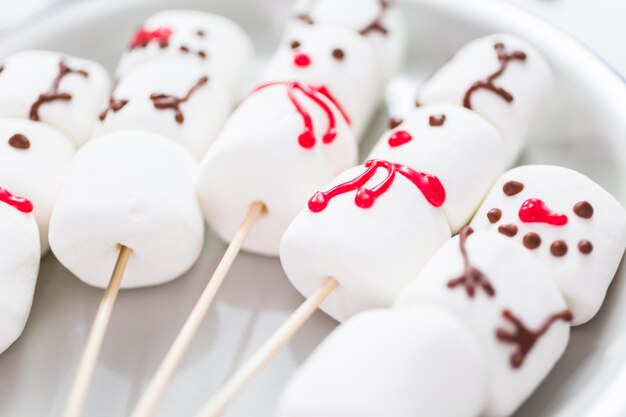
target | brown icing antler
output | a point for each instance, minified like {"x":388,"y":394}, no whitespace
{"x":489,"y":83}
{"x":168,"y":101}
{"x":54,"y":94}
{"x":375,"y":25}
{"x":115,"y":105}
{"x":471,"y":277}
{"x":523,"y":337}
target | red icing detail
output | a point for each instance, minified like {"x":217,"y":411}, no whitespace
{"x":20,"y":203}
{"x":306,"y":139}
{"x":142,"y":37}
{"x":399,"y":137}
{"x":302,"y":60}
{"x":535,"y":210}
{"x":429,"y":185}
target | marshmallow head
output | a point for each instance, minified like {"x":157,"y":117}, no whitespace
{"x":135,"y":189}
{"x":502,"y":78}
{"x":168,"y":97}
{"x":60,"y":90}
{"x":375,"y":20}
{"x":508,"y":299}
{"x":568,"y":221}
{"x":463,"y":150}
{"x":373,"y":236}
{"x":336,"y":58}
{"x":422,"y":362}
{"x":213,"y":43}
{"x":34,"y":159}
{"x":19,"y":265}
{"x":283,"y":143}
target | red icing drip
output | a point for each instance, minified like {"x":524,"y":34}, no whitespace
{"x":302,"y":60}
{"x":535,"y":210}
{"x":143,"y":37}
{"x":20,"y":203}
{"x":429,"y":185}
{"x":306,"y":139}
{"x":399,"y":137}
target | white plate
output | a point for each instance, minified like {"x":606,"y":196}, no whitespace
{"x":586,"y":131}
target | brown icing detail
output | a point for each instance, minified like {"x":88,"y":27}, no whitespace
{"x":418,"y":103}
{"x":524,"y":338}
{"x":585,"y":247}
{"x":167,"y":101}
{"x":531,"y":240}
{"x":558,"y":248}
{"x":184,"y":49}
{"x":489,"y":83}
{"x":511,"y":188}
{"x":202,"y":54}
{"x":306,"y":18}
{"x":583,"y":209}
{"x":115,"y":105}
{"x":54,"y":94}
{"x":338,"y":54}
{"x":376,"y":25}
{"x":471,"y":277}
{"x":1,"y":68}
{"x":200,"y":33}
{"x":294,"y":44}
{"x":494,"y":215}
{"x":436,"y":120}
{"x":509,"y":230}
{"x":19,"y":141}
{"x":394,"y":122}
{"x":162,"y":45}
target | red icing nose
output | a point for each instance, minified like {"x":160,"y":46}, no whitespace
{"x":302,"y":60}
{"x":535,"y":210}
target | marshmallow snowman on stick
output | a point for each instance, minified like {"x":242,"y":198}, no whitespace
{"x":424,"y":180}
{"x":129,"y":202}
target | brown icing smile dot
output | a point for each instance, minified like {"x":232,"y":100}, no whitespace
{"x":394,"y":122}
{"x":19,"y":141}
{"x":338,"y":54}
{"x":184,"y":49}
{"x":512,"y":187}
{"x":583,"y":209}
{"x":437,"y":120}
{"x":531,"y":240}
{"x":558,"y":248}
{"x":494,"y":215}
{"x":585,"y":247}
{"x":509,"y":230}
{"x":200,"y":33}
{"x":295,"y":44}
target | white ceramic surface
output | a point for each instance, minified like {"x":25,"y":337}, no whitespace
{"x":585,"y":129}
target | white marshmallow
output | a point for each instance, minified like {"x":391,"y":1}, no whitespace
{"x":19,"y":265}
{"x":582,"y":278}
{"x":522,"y":284}
{"x":376,"y":20}
{"x":421,"y":362}
{"x":194,"y":125}
{"x":29,"y":74}
{"x":227,"y":48}
{"x":37,"y":171}
{"x":465,"y":152}
{"x":373,"y":252}
{"x":528,"y":81}
{"x":353,"y":80}
{"x":258,"y":157}
{"x":132,"y":188}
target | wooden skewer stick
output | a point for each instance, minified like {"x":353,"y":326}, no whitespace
{"x":82,"y":380}
{"x":150,"y":399}
{"x":216,"y":405}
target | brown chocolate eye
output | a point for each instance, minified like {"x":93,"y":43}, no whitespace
{"x":200,"y":33}
{"x":338,"y":54}
{"x":295,"y":44}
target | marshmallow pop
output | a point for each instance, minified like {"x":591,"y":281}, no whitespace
{"x":19,"y":238}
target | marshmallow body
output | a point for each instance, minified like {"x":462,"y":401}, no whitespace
{"x":34,"y":159}
{"x":19,"y":265}
{"x":565,"y":219}
{"x":334,"y":57}
{"x":214,"y":43}
{"x":169,"y":97}
{"x":379,"y":22}
{"x":60,"y":90}
{"x":463,"y":150}
{"x":373,"y":252}
{"x":520,"y":284}
{"x":422,"y":362}
{"x":500,"y":62}
{"x":135,"y":189}
{"x":258,"y":157}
